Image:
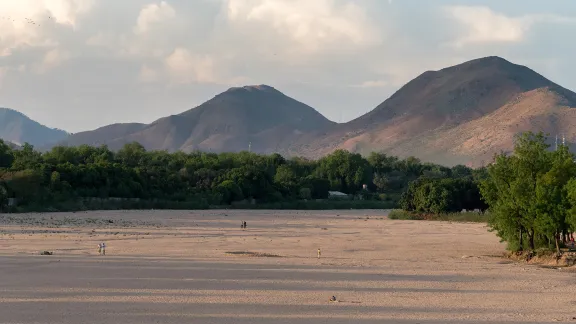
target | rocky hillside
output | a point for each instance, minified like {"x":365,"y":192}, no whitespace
{"x":460,"y":114}
{"x":260,"y":115}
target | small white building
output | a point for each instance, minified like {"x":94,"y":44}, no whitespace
{"x":337,"y":195}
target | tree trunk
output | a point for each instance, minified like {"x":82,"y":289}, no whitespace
{"x":531,"y":240}
{"x":521,"y":240}
{"x":557,"y":239}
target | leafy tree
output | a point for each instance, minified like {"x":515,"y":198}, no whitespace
{"x":230,"y":191}
{"x":3,"y":198}
{"x":527,"y":193}
{"x":26,"y":158}
{"x":305,"y":193}
{"x":69,"y":173}
{"x":6,"y":155}
{"x":346,"y":171}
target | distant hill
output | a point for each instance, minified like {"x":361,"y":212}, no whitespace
{"x":460,"y":114}
{"x":102,"y":135}
{"x":260,"y":115}
{"x":18,"y":128}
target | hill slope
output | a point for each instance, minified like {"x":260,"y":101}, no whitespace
{"x":260,"y":115}
{"x":459,"y":114}
{"x":17,"y":128}
{"x":102,"y":135}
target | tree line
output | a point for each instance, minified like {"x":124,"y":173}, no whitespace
{"x":202,"y":179}
{"x":532,"y":194}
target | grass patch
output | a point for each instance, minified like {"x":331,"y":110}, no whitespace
{"x":254,"y":254}
{"x":202,"y":204}
{"x":403,"y":215}
{"x":319,"y":205}
{"x":464,"y":217}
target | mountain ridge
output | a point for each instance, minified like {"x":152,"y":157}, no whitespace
{"x":229,"y":121}
{"x":459,"y":114}
{"x":18,"y":128}
{"x":436,"y":102}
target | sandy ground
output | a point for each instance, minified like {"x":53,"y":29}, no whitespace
{"x":175,"y":267}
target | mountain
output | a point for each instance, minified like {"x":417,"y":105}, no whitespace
{"x":17,"y":128}
{"x":102,"y":135}
{"x":460,"y":114}
{"x":260,"y":115}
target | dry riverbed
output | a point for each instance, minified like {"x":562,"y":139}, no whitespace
{"x":201,"y":267}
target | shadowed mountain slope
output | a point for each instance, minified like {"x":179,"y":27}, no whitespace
{"x":18,"y":128}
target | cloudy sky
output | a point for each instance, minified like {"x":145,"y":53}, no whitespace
{"x":81,"y":64}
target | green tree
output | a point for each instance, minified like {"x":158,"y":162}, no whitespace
{"x":305,"y":193}
{"x":3,"y":198}
{"x":511,"y":188}
{"x":26,"y":158}
{"x":346,"y":171}
{"x":230,"y":191}
{"x":6,"y":155}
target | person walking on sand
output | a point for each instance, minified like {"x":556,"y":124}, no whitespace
{"x":100,"y":248}
{"x":103,"y":248}
{"x":319,"y":253}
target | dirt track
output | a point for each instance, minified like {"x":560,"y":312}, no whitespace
{"x":174,"y":267}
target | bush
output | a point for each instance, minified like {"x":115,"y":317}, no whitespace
{"x":319,"y":205}
{"x":471,"y":217}
{"x":465,"y":217}
{"x":402,"y":214}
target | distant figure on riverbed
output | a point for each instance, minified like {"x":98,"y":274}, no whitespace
{"x":102,"y":248}
{"x":244,"y":224}
{"x":319,"y":253}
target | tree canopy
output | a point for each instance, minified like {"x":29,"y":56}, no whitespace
{"x":532,"y":194}
{"x":73,"y":173}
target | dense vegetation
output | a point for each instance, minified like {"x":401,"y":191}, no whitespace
{"x":85,"y":177}
{"x":532,"y":195}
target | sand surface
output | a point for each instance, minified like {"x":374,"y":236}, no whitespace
{"x":176,"y":267}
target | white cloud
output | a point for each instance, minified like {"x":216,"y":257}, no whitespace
{"x":304,"y":26}
{"x":66,"y":12}
{"x":32,"y":24}
{"x":184,"y":67}
{"x":52,"y":59}
{"x":373,"y":84}
{"x":148,"y":74}
{"x":63,"y":12}
{"x":152,"y":35}
{"x":483,"y":25}
{"x":156,"y":38}
{"x":153,"y":14}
